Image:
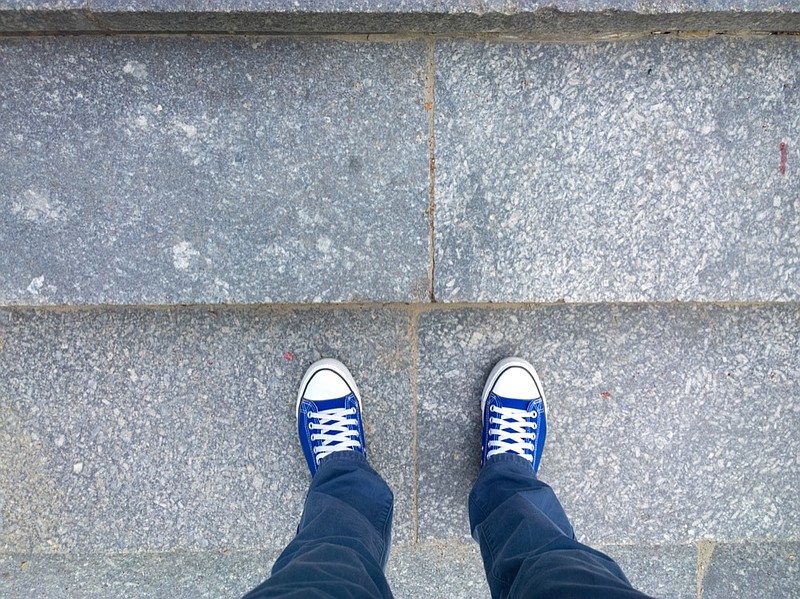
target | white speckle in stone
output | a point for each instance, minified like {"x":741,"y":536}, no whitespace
{"x":182,"y":254}
{"x":188,"y":130}
{"x":141,"y":122}
{"x":135,"y":69}
{"x":77,"y":468}
{"x":36,"y":206}
{"x":59,"y":441}
{"x":258,"y":482}
{"x":222,"y":286}
{"x":36,"y":285}
{"x":324,"y":244}
{"x":707,"y":128}
{"x":555,"y":103}
{"x":132,"y":374}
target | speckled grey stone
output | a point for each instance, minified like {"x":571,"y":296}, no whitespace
{"x":435,"y":569}
{"x":426,"y":570}
{"x":525,"y":17}
{"x":753,"y":570}
{"x":204,"y":575}
{"x":667,"y":423}
{"x":149,"y":171}
{"x":668,"y":571}
{"x":636,"y":171}
{"x":45,"y":15}
{"x":160,"y":430}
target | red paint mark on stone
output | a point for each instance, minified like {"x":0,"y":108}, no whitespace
{"x":783,"y":158}
{"x":605,"y":395}
{"x":289,"y":356}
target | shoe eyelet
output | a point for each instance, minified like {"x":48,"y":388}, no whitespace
{"x":534,"y":426}
{"x":533,"y":436}
{"x":534,"y":414}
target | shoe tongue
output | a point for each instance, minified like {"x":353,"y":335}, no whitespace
{"x":332,"y":404}
{"x":519,"y":404}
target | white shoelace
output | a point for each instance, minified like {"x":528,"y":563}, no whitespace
{"x":517,"y":436}
{"x":335,"y":432}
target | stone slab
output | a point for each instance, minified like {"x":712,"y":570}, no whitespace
{"x":527,"y":17}
{"x":453,"y":569}
{"x":161,"y":430}
{"x":45,"y":15}
{"x":657,"y":170}
{"x":428,"y":569}
{"x":434,"y":569}
{"x":204,"y":575}
{"x":178,"y":170}
{"x":753,"y":570}
{"x":668,"y":571}
{"x":657,"y":414}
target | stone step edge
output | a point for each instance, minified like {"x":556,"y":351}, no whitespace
{"x":281,"y":17}
{"x":404,"y":306}
{"x":706,"y":545}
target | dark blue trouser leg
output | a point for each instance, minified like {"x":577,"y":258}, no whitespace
{"x":342,"y":542}
{"x":528,"y":545}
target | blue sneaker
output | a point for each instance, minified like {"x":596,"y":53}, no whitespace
{"x":329,"y":412}
{"x":514,"y":412}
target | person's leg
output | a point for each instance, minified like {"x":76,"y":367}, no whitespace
{"x":527,"y":543}
{"x":343,"y":538}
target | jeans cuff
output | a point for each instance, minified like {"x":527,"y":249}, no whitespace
{"x":517,"y":462}
{"x":355,"y":456}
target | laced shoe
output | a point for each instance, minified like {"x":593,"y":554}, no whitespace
{"x":329,"y":412}
{"x":514,"y":412}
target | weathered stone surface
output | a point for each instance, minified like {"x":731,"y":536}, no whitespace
{"x":659,"y":170}
{"x":201,"y":575}
{"x":45,"y":15}
{"x":657,"y":414}
{"x":142,"y":430}
{"x":526,"y":17}
{"x":432,"y":569}
{"x":153,"y":171}
{"x":668,"y":571}
{"x":753,"y":570}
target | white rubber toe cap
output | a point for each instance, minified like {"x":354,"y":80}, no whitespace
{"x":516,"y":383}
{"x":327,"y":379}
{"x":513,"y":378}
{"x":325,"y":384}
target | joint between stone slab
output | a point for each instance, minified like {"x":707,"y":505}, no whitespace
{"x":101,"y":30}
{"x":414,"y":342}
{"x":408,"y":307}
{"x":705,"y":548}
{"x":90,"y":16}
{"x":430,"y":107}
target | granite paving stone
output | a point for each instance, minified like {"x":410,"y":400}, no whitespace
{"x":768,"y":570}
{"x":667,"y":423}
{"x":436,"y":569}
{"x":200,"y":575}
{"x":668,"y":571}
{"x":213,"y":170}
{"x":528,"y":17}
{"x":44,"y":15}
{"x":431,"y":569}
{"x":154,"y":430}
{"x":453,"y":569}
{"x":656,"y":170}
